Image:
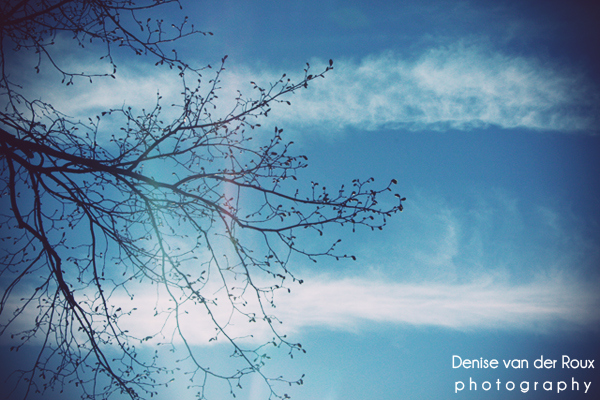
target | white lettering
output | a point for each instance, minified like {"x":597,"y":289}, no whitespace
{"x":456,"y":388}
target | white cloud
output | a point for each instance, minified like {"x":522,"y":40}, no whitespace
{"x":136,"y":88}
{"x":458,"y":86}
{"x":350,"y":304}
{"x":355,"y":304}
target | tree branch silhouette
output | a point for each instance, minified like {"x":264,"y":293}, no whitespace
{"x":193,"y":209}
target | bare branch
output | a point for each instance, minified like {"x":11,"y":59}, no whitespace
{"x":191,"y":208}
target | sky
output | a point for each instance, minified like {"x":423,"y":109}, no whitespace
{"x":487,"y":115}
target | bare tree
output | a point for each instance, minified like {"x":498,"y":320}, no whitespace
{"x":190,"y":209}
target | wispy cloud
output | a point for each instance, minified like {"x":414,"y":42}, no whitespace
{"x":465,"y":273}
{"x":459,"y":86}
{"x":138,"y":88}
{"x":449,"y":87}
{"x":356,"y":304}
{"x":350,"y":304}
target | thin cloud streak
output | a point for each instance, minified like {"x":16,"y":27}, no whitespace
{"x":460,"y":86}
{"x":353,"y":304}
{"x":361,"y":304}
{"x":454,"y":87}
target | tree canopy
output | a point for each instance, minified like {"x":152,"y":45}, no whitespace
{"x":190,"y":211}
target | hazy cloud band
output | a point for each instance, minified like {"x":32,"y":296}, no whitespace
{"x":460,"y":86}
{"x":454,"y":87}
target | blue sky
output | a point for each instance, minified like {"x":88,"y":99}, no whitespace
{"x":487,"y":114}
